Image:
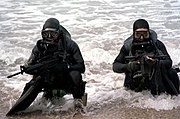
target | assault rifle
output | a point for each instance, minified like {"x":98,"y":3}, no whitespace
{"x":142,"y":50}
{"x":32,"y":88}
{"x":145,"y":71}
{"x":133,"y":58}
{"x":143,"y":65}
{"x":44,"y":63}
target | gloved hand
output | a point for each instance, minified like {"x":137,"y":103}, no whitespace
{"x":25,"y":69}
{"x":133,"y":66}
{"x":150,"y":60}
{"x":60,"y":67}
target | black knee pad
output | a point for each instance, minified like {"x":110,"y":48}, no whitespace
{"x":75,"y":77}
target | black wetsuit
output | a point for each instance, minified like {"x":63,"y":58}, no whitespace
{"x":120,"y":65}
{"x":69,"y":79}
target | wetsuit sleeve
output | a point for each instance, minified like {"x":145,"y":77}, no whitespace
{"x":167,"y":62}
{"x":33,"y":57}
{"x":119,"y":65}
{"x":78,"y":59}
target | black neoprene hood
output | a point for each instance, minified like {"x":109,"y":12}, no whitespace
{"x":140,"y":23}
{"x":51,"y":24}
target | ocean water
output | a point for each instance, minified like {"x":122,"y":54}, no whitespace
{"x":99,"y":27}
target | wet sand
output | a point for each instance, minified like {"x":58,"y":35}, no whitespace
{"x":137,"y":113}
{"x":113,"y":113}
{"x":115,"y":110}
{"x":109,"y":111}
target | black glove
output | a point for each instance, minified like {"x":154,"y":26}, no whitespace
{"x":133,"y":66}
{"x":60,"y":67}
{"x":28,"y":70}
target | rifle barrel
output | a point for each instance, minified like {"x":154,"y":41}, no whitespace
{"x":13,"y":75}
